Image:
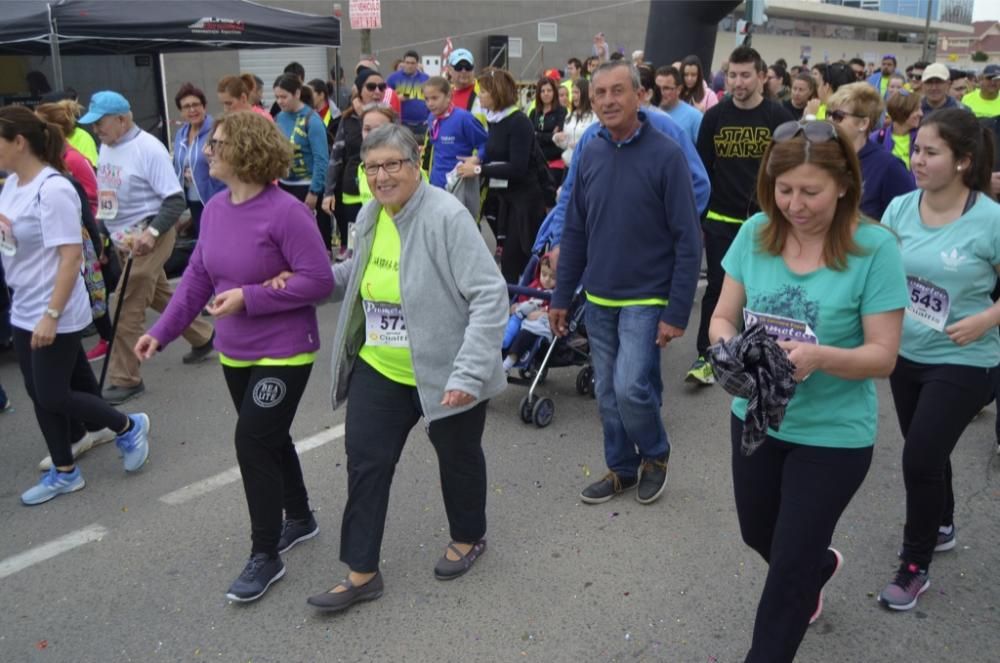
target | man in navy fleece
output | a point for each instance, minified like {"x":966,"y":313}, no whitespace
{"x":632,"y":238}
{"x":552,"y":227}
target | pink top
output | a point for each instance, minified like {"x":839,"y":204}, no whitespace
{"x":81,"y":170}
{"x":261,"y":111}
{"x":709,"y":100}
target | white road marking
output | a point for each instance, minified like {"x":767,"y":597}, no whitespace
{"x":75,"y":539}
{"x":205,"y":486}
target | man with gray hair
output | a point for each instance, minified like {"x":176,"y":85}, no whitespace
{"x":633,"y":207}
{"x":140,"y":200}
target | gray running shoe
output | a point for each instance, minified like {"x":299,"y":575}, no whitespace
{"x":902,"y":593}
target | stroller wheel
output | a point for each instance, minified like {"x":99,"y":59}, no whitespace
{"x":543,"y":411}
{"x":585,"y":381}
{"x":525,"y":410}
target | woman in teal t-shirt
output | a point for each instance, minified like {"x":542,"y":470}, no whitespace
{"x":809,"y":262}
{"x":950,"y":235}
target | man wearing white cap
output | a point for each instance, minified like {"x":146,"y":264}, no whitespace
{"x":140,"y":200}
{"x":935,"y":84}
{"x":465,"y":90}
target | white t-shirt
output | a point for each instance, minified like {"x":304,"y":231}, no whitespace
{"x":45,"y":214}
{"x":134,"y":176}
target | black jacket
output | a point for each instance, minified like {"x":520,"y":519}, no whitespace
{"x":546,"y":125}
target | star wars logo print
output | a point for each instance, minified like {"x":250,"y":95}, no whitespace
{"x":269,"y":392}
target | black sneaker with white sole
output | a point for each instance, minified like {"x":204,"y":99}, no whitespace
{"x":295,"y":531}
{"x":652,"y":481}
{"x":261,"y":572}
{"x":603,"y":490}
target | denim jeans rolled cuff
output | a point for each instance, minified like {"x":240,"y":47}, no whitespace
{"x":628,"y":384}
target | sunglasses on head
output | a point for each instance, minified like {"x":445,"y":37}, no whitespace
{"x":371,"y":87}
{"x":816,"y":131}
{"x":462,"y":65}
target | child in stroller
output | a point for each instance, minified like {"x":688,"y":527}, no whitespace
{"x":530,"y":347}
{"x":529,"y":317}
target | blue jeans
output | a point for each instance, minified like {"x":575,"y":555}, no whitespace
{"x":629,"y":387}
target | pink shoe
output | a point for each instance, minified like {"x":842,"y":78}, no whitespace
{"x":98,"y":352}
{"x":836,"y":569}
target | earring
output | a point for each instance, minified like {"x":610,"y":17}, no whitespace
{"x":958,"y":168}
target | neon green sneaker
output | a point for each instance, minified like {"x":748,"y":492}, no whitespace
{"x":700,"y":372}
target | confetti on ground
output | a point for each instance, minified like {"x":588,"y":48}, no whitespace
{"x":586,"y":471}
{"x":42,"y":644}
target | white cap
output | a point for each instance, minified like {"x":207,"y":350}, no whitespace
{"x":936,"y":70}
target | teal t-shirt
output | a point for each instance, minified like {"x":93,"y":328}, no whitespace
{"x":826,"y":411}
{"x":958,"y":258}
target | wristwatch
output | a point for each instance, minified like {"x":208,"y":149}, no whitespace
{"x":52,"y":313}
{"x":153,"y":231}
{"x":478,"y":170}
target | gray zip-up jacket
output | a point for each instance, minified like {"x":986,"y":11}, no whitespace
{"x":453,"y":297}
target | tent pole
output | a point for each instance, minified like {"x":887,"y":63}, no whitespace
{"x":159,"y":73}
{"x":57,"y":74}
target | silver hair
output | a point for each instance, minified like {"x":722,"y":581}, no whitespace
{"x":393,"y":136}
{"x":615,"y":64}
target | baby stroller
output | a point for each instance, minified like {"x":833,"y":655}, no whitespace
{"x":571,"y":350}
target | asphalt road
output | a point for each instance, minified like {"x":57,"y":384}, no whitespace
{"x":561,"y":580}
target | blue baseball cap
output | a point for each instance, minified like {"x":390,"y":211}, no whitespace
{"x":104,"y":103}
{"x":460,"y":54}
{"x":991,"y":71}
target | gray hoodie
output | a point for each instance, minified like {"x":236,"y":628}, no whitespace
{"x":453,"y":297}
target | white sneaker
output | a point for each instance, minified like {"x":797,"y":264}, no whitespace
{"x":89,"y":440}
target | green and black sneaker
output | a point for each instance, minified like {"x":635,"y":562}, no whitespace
{"x":700,"y":372}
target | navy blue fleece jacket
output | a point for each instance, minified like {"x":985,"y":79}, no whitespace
{"x":632,"y":229}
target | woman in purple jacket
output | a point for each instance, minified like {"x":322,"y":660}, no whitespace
{"x":267,"y":339}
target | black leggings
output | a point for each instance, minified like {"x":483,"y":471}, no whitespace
{"x":380,"y":415}
{"x":266,"y":400}
{"x":789,"y":498}
{"x":719,"y":237}
{"x":63,"y":390}
{"x":934,"y":404}
{"x":323,"y":220}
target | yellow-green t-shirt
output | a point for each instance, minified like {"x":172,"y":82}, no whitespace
{"x":302,"y":359}
{"x":901,"y":148}
{"x":386,"y":347}
{"x":982,"y":107}
{"x":883,"y":85}
{"x":83,"y":143}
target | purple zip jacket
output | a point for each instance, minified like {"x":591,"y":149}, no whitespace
{"x":241,"y":246}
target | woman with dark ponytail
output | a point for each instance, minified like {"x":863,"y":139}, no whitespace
{"x":41,"y":246}
{"x":949,"y":229}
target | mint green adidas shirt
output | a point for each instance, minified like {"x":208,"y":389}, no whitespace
{"x":826,"y":411}
{"x":958,"y":258}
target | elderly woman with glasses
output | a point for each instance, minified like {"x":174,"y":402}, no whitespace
{"x":421,"y":325}
{"x":830,"y":287}
{"x":856,"y":108}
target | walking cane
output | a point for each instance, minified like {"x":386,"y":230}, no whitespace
{"x":114,"y":323}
